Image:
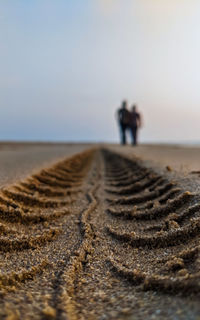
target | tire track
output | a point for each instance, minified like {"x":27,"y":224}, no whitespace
{"x":29,"y":223}
{"x":136,"y":224}
{"x":72,"y":275}
{"x":99,"y":236}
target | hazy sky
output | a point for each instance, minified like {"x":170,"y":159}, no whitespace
{"x":65,"y":66}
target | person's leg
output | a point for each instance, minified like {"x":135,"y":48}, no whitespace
{"x":123,"y":134}
{"x":135,"y":135}
{"x":132,"y":135}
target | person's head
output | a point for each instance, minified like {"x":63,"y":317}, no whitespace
{"x":124,"y":104}
{"x":134,"y":108}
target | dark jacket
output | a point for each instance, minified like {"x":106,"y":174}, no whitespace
{"x":134,"y":119}
{"x":124,"y":116}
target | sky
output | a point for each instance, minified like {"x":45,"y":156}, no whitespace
{"x":66,"y":65}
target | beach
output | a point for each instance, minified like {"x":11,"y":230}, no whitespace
{"x":104,"y":231}
{"x":182,"y":158}
{"x":18,"y":160}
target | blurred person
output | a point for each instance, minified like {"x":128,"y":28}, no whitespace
{"x":124,"y":121}
{"x":135,"y":123}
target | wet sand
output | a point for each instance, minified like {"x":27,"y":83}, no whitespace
{"x":103,"y":234}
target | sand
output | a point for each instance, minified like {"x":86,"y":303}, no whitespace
{"x":18,"y":160}
{"x":109,"y":233}
{"x":179,"y":158}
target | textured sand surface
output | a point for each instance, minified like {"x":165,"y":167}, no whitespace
{"x":100,"y":235}
{"x":180,"y":158}
{"x":17,"y":160}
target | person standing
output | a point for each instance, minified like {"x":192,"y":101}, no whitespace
{"x":135,"y":123}
{"x":124,"y":121}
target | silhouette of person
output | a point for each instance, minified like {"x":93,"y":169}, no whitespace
{"x":135,"y":123}
{"x":124,"y":120}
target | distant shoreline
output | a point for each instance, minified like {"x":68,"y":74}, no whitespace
{"x":153,"y":143}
